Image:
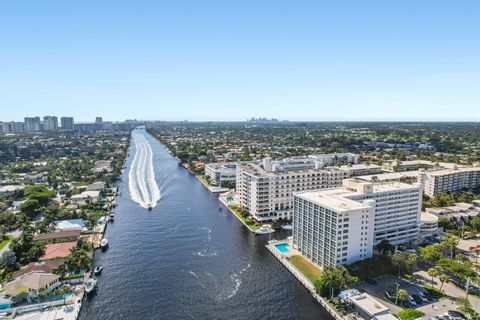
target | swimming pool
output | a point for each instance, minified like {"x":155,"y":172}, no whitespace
{"x":282,"y":247}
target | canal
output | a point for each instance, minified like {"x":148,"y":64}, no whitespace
{"x":189,"y":258}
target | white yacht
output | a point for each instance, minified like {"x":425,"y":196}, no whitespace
{"x":287,"y":227}
{"x":104,"y":243}
{"x":90,"y":285}
{"x":264,"y":229}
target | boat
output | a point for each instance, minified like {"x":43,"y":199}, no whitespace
{"x":264,"y":229}
{"x":287,"y":227}
{"x":104,"y":243}
{"x":98,"y":270}
{"x":111,"y":217}
{"x":149,"y":206}
{"x":90,"y":285}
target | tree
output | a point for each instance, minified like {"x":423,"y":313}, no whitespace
{"x":30,"y":207}
{"x":450,"y":242}
{"x":431,"y":253}
{"x":403,"y":262}
{"x":410,"y":314}
{"x":334,"y":279}
{"x":432,"y":272}
{"x":443,"y":278}
{"x":8,"y":260}
{"x":475,"y":223}
{"x":402,"y":295}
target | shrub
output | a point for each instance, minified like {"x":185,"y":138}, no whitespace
{"x":410,"y":314}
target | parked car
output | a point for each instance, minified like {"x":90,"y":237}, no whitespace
{"x":423,"y":297}
{"x":456,"y":314}
{"x":417,"y":299}
{"x":411,"y":301}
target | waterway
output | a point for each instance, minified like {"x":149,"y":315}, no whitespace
{"x":189,"y":258}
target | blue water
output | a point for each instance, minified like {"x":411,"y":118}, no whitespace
{"x":282,"y":247}
{"x":186,"y":259}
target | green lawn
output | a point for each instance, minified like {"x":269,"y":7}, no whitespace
{"x":248,"y":222}
{"x":5,"y":242}
{"x":306,"y":267}
{"x":204,"y":181}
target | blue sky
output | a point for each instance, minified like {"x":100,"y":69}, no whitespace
{"x":232,"y":60}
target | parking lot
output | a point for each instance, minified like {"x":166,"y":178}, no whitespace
{"x":378,"y":289}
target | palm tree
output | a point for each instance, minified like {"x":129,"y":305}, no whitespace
{"x":450,"y":242}
{"x":432,"y":272}
{"x":443,"y":278}
{"x":402,"y":294}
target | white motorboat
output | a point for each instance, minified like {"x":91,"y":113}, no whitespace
{"x":287,"y":227}
{"x":98,"y":270}
{"x":111,"y":217}
{"x":104,"y":243}
{"x":265,"y":229}
{"x":90,"y":285}
{"x":149,"y":206}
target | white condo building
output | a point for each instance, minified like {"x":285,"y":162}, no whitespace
{"x":266,"y":190}
{"x":331,"y":230}
{"x":450,"y":180}
{"x":375,"y":212}
{"x":221,"y":174}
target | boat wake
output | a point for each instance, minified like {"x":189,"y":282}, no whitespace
{"x":141,"y":178}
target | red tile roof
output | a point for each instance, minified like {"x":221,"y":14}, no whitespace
{"x":58,"y":250}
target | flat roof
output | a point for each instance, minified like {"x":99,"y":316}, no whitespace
{"x":368,"y":304}
{"x":442,"y":172}
{"x":332,"y":200}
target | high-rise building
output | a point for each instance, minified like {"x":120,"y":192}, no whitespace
{"x":341,"y":225}
{"x":32,"y":124}
{"x":98,"y":120}
{"x":4,"y":127}
{"x":50,"y":123}
{"x":16,"y":127}
{"x":266,"y":190}
{"x":331,"y":230}
{"x":67,"y":123}
{"x":453,"y":179}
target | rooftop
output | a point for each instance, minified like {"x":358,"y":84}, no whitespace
{"x":58,"y":250}
{"x":329,"y":198}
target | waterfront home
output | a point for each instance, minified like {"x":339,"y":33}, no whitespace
{"x":31,"y":285}
{"x":72,"y":224}
{"x":93,"y":196}
{"x":59,"y":236}
{"x":96,"y":186}
{"x":57,"y":250}
{"x":48,"y":266}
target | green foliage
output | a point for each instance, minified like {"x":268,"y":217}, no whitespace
{"x":78,"y":259}
{"x":40,"y":193}
{"x":333,"y":280}
{"x":8,"y":260}
{"x":431,"y":253}
{"x":374,"y":267}
{"x":410,"y":314}
{"x":25,"y":249}
{"x":30,"y":207}
{"x":403,"y":262}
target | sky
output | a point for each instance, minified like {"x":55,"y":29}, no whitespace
{"x":232,"y":60}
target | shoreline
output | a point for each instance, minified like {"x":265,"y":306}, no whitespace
{"x":298,"y":275}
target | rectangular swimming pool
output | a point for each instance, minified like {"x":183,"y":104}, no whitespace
{"x":282,"y":247}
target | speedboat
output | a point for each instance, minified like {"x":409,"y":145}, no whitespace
{"x":149,"y":206}
{"x":111,"y":217}
{"x":98,"y":270}
{"x":287,"y":227}
{"x":104,"y":243}
{"x":264,"y":229}
{"x":90,"y":285}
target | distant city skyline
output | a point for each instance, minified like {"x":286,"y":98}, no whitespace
{"x":224,"y":61}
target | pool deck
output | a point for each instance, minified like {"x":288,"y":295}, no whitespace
{"x":283,"y":259}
